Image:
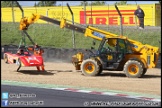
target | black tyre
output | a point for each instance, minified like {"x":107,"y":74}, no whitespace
{"x":133,"y":69}
{"x":90,"y":67}
{"x":5,"y":58}
{"x":100,"y":70}
{"x":144,"y":71}
{"x":100,"y":66}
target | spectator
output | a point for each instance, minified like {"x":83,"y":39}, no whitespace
{"x":140,"y":14}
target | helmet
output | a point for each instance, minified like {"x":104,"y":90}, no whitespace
{"x":36,"y":45}
{"x":20,"y":51}
{"x":112,"y":42}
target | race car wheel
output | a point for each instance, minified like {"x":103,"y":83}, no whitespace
{"x":19,"y":64}
{"x":5,"y":58}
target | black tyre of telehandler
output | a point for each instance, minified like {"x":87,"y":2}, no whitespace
{"x":90,"y":67}
{"x":100,"y":67}
{"x":100,"y":70}
{"x":133,"y":69}
{"x":144,"y":71}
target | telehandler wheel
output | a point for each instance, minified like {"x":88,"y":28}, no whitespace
{"x":90,"y":67}
{"x":144,"y":71}
{"x":100,"y":70}
{"x":5,"y":58}
{"x":133,"y":69}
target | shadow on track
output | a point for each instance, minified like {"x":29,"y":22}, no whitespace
{"x":35,"y":72}
{"x":46,"y":72}
{"x":123,"y":75}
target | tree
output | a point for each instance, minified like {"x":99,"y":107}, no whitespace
{"x":35,"y":4}
{"x":83,"y":2}
{"x":8,"y":4}
{"x":97,"y":3}
{"x":160,"y":3}
{"x":94,"y":3}
{"x":46,"y":3}
{"x":121,"y":3}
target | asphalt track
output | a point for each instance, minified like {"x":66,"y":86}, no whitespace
{"x":45,"y":97}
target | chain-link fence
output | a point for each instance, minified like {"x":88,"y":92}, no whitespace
{"x":50,"y":35}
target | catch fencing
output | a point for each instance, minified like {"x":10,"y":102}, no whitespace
{"x":96,"y":15}
{"x":101,"y":17}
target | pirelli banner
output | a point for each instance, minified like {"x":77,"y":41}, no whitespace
{"x":97,"y":15}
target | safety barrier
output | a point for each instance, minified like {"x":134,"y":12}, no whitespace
{"x":57,"y":54}
{"x":50,"y":54}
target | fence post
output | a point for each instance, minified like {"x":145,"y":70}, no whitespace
{"x":73,"y":35}
{"x":13,"y":16}
{"x":22,"y":11}
{"x":47,"y":14}
{"x":108,"y":18}
{"x":121,"y":26}
{"x":85,"y":13}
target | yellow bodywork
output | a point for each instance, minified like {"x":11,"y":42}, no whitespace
{"x":141,"y":52}
{"x":77,"y":60}
{"x":109,"y":57}
{"x":26,"y":21}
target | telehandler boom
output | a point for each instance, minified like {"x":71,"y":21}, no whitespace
{"x":115,"y":53}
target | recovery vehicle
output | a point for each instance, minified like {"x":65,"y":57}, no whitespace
{"x":115,"y":53}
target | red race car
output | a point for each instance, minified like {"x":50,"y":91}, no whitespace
{"x":23,"y":58}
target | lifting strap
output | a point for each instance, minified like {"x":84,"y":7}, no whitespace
{"x":22,"y":42}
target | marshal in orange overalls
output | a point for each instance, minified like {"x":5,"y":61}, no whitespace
{"x":38,"y":52}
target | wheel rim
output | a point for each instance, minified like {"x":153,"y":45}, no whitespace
{"x":89,"y":67}
{"x":133,"y":69}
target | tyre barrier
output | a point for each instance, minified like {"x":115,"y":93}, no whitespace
{"x":61,"y":55}
{"x":8,"y":48}
{"x":57,"y":54}
{"x":50,"y":54}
